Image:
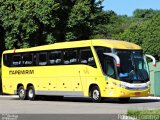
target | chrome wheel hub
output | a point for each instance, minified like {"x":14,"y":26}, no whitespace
{"x":30,"y":93}
{"x":96,"y":94}
{"x":22,"y":93}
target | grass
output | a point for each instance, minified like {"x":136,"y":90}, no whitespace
{"x":144,"y":114}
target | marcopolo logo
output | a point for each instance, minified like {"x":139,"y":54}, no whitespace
{"x":21,"y":72}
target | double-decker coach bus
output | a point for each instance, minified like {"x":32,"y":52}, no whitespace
{"x":89,"y":68}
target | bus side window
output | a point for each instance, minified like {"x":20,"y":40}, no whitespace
{"x":16,"y":61}
{"x":7,"y":60}
{"x":66,"y":57}
{"x":51,"y":58}
{"x":87,"y":57}
{"x":27,"y":59}
{"x":70,"y":56}
{"x":42,"y":59}
{"x":73,"y":56}
{"x":55,"y":57}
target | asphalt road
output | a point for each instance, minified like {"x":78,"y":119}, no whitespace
{"x":12,"y":105}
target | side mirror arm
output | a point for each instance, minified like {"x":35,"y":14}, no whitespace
{"x":153,"y":59}
{"x":115,"y":57}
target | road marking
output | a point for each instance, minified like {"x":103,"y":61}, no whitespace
{"x":149,"y":97}
{"x":8,"y":96}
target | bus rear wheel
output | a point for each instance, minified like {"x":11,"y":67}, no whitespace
{"x":21,"y":93}
{"x":31,"y":93}
{"x":124,"y":100}
{"x":95,"y":94}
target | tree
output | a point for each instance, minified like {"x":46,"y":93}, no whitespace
{"x":112,"y":25}
{"x":83,"y":17}
{"x":2,"y":44}
{"x":101,"y":29}
{"x":145,"y":34}
{"x":30,"y":23}
{"x":145,"y":13}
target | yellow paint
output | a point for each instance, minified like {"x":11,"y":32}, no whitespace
{"x":69,"y":77}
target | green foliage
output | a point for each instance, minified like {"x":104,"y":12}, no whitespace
{"x":141,"y":114}
{"x":145,"y":13}
{"x":143,"y":28}
{"x":112,"y":24}
{"x":82,"y":19}
{"x":2,"y":32}
{"x":103,"y":30}
{"x":79,"y":23}
{"x":27,"y":23}
{"x":146,"y":34}
{"x":36,"y":22}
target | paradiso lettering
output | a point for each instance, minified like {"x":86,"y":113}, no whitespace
{"x":20,"y":72}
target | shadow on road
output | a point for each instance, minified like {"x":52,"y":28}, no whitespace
{"x":88,"y":100}
{"x":132,"y":101}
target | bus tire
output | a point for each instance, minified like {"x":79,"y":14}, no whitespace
{"x":124,"y":100}
{"x":31,"y":93}
{"x":95,"y":94}
{"x":21,"y":93}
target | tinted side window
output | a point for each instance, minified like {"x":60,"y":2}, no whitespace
{"x":16,"y":60}
{"x":7,"y":59}
{"x":86,"y":57}
{"x":102,"y":57}
{"x":70,"y":56}
{"x":109,"y":67}
{"x":27,"y":59}
{"x":55,"y":57}
{"x":42,"y":59}
{"x":100,"y":51}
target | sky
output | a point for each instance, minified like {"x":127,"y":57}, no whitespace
{"x":126,"y":7}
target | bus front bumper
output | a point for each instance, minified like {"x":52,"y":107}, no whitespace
{"x":122,"y":93}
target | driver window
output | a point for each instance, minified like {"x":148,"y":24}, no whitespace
{"x":140,"y":65}
{"x":110,"y":69}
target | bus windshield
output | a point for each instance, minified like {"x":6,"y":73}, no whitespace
{"x":133,"y":67}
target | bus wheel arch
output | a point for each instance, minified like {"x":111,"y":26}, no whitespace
{"x":21,"y":92}
{"x":30,"y":92}
{"x":94,"y":93}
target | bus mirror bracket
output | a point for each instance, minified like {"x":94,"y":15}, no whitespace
{"x":115,"y":57}
{"x":153,"y":59}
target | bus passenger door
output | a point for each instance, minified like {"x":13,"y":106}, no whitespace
{"x":86,"y":68}
{"x":81,"y":83}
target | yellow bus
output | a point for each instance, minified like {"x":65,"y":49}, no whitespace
{"x":89,"y":68}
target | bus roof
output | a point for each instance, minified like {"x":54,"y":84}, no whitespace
{"x":117,"y":44}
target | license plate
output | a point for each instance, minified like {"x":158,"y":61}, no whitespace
{"x":137,"y":93}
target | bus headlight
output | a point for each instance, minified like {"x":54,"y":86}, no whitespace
{"x":129,"y":86}
{"x":122,"y":84}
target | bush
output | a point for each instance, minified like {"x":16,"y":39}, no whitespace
{"x":142,"y":114}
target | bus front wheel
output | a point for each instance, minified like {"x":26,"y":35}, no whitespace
{"x":31,"y":93}
{"x":95,"y":94}
{"x":21,"y":93}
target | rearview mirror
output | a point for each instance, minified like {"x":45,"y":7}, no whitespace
{"x":117,"y":59}
{"x":153,"y":59}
